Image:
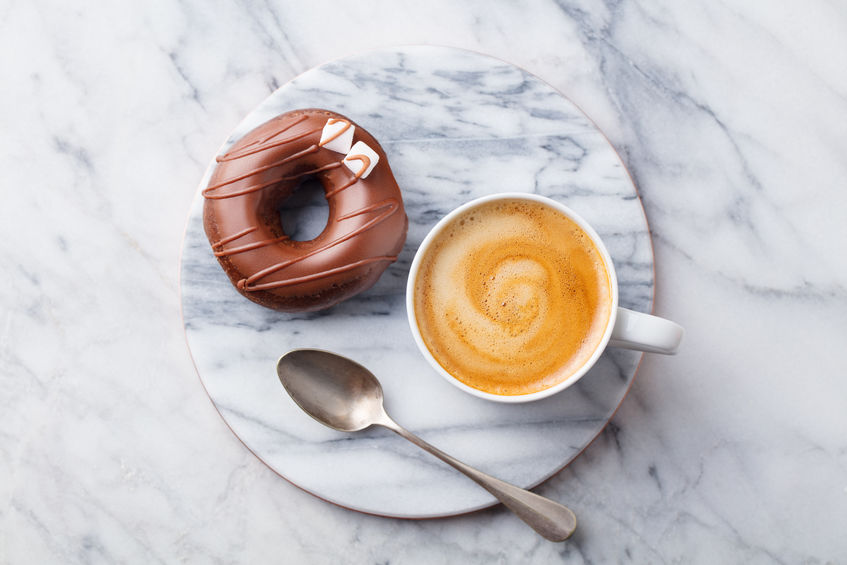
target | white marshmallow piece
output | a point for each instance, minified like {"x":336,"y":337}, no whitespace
{"x":357,"y":164}
{"x":335,"y":137}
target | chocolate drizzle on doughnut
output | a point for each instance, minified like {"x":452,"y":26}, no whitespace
{"x":254,"y":188}
{"x":365,"y":231}
{"x":389,"y":207}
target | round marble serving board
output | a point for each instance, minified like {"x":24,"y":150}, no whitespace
{"x":455,"y":125}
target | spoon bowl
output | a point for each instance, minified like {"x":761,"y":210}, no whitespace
{"x":345,"y":396}
{"x":332,"y":389}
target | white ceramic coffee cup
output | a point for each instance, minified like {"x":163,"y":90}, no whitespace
{"x":626,"y":328}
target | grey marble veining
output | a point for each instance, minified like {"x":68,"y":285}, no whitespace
{"x":455,"y":125}
{"x":730,"y":117}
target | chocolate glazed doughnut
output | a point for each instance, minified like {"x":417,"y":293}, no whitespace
{"x":367,"y":222}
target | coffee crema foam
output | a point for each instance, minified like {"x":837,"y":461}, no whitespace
{"x":512,"y":297}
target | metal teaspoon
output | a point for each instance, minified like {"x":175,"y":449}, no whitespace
{"x":345,"y":396}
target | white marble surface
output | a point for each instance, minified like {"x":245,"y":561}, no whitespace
{"x":732,"y":118}
{"x":455,"y":125}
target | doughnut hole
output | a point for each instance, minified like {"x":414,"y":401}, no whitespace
{"x":304,"y":214}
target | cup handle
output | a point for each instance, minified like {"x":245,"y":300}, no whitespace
{"x":643,"y":332}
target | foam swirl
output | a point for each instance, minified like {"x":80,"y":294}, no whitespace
{"x":512,"y":297}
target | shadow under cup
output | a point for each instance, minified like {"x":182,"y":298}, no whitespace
{"x":512,"y":297}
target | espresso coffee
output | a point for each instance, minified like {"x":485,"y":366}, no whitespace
{"x":512,"y":297}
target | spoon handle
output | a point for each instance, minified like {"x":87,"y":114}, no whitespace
{"x":552,"y":520}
